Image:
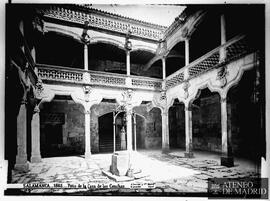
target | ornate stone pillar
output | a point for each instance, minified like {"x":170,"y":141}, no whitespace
{"x":223,"y":37}
{"x":163,"y":67}
{"x":87,"y":153}
{"x":85,"y":38}
{"x":21,"y":158}
{"x":226,"y":157}
{"x":135,"y":133}
{"x":128,"y":47}
{"x":165,"y":131}
{"x":85,"y":56}
{"x":128,"y":62}
{"x":35,"y":135}
{"x":188,"y":129}
{"x":129,"y":128}
{"x":186,"y":51}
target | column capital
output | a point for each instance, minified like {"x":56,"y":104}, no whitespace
{"x":165,"y":112}
{"x":87,"y":111}
{"x":85,"y":38}
{"x":129,"y":111}
{"x":188,"y":108}
{"x":23,"y":101}
{"x":36,"y":110}
{"x":223,"y":99}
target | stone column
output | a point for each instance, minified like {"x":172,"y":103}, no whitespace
{"x":129,"y":129}
{"x":33,"y":54}
{"x":128,"y":62}
{"x":35,"y":135}
{"x":188,"y":129}
{"x":135,"y":133}
{"x":163,"y":72}
{"x":186,"y":51}
{"x":164,"y":68}
{"x":85,"y":56}
{"x":226,"y":157}
{"x":114,"y":137}
{"x":165,"y":131}
{"x":21,"y":158}
{"x":87,"y":153}
{"x":223,"y":37}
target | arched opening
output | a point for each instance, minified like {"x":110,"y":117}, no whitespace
{"x":105,"y":132}
{"x":139,"y":127}
{"x":106,"y":57}
{"x":62,"y":130}
{"x":153,"y":134}
{"x":177,"y":125}
{"x":60,"y":50}
{"x":206,"y":121}
{"x":175,"y":60}
{"x":245,"y":118}
{"x":206,"y":37}
{"x":138,"y":58}
{"x":155,"y":70}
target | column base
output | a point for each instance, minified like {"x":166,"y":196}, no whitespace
{"x":165,"y":150}
{"x":87,"y":155}
{"x":22,"y":167}
{"x":188,"y":155}
{"x":35,"y":159}
{"x":227,"y":161}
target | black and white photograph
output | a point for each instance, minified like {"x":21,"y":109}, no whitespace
{"x":142,"y":100}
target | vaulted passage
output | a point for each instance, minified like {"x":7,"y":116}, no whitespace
{"x":61,"y":128}
{"x":177,"y":125}
{"x":206,"y":122}
{"x":244,"y":107}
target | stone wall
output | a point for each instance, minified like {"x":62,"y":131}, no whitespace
{"x":153,"y":132}
{"x":72,"y":127}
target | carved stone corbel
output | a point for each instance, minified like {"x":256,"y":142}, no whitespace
{"x":186,"y":85}
{"x":39,"y":90}
{"x":87,"y":90}
{"x":222,"y":76}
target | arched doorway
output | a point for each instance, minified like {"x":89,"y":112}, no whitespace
{"x":177,"y":125}
{"x":105,"y":125}
{"x":206,"y":121}
{"x":62,"y":130}
{"x":245,"y":118}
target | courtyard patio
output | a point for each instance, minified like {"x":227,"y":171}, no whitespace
{"x":171,"y":173}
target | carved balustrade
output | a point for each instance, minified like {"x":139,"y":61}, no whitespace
{"x":49,"y":73}
{"x":235,"y":48}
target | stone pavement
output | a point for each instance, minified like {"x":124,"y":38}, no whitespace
{"x":171,"y":173}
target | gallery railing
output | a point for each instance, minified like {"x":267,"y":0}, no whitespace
{"x":234,"y":48}
{"x":61,"y":74}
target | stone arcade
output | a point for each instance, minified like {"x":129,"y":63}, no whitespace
{"x":81,"y":81}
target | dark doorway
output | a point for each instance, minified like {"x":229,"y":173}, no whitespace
{"x":177,"y":125}
{"x":105,"y":125}
{"x":53,"y":140}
